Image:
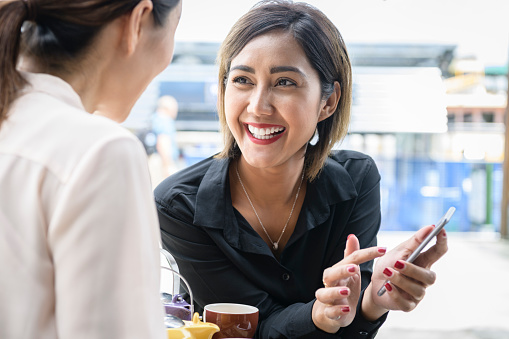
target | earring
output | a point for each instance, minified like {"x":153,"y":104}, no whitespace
{"x":314,"y":138}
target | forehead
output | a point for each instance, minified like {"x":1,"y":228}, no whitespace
{"x":271,"y":49}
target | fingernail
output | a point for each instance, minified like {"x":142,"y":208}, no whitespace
{"x":345,"y":309}
{"x":349,"y":236}
{"x":351,"y":268}
{"x":444,"y":234}
{"x":388,"y":287}
{"x":399,"y":265}
{"x":382,"y":250}
{"x":343,"y":291}
{"x":388,"y":272}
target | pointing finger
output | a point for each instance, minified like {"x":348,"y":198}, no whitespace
{"x":362,"y":256}
{"x":352,"y":245}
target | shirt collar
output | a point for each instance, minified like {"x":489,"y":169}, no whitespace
{"x":333,"y":185}
{"x":214,"y":193}
{"x":54,"y":86}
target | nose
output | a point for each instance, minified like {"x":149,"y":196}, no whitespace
{"x":260,"y":101}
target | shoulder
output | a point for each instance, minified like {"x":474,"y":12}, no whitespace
{"x":352,"y":160}
{"x":60,"y":137}
{"x":183,"y":185}
{"x":99,"y":137}
{"x":360,"y":167}
{"x":344,"y":156}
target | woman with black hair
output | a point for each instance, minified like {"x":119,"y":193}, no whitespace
{"x":78,"y":227}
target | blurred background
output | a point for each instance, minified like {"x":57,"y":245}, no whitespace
{"x":430,"y":98}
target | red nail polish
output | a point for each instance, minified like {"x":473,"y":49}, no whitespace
{"x":444,"y":234}
{"x":387,"y":272}
{"x":351,"y":269}
{"x":349,"y":236}
{"x":343,"y":292}
{"x":388,"y":287}
{"x":399,"y":265}
{"x":345,"y":309}
{"x":382,"y":250}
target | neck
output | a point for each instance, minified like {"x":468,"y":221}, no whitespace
{"x":98,"y":94}
{"x":270,"y":187}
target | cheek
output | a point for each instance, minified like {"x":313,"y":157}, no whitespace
{"x":231,"y":112}
{"x":167,"y":50}
{"x":308,"y":130}
{"x":307,"y":124}
{"x":164,"y":46}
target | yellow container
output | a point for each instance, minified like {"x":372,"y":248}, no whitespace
{"x":194,"y":329}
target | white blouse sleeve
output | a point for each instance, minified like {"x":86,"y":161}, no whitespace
{"x":104,"y":239}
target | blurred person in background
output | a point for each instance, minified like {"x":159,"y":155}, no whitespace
{"x":163,"y":126}
{"x":277,"y":221}
{"x":79,"y":239}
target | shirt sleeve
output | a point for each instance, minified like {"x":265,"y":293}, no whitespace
{"x":104,"y":240}
{"x":365,"y":224}
{"x":360,"y":328}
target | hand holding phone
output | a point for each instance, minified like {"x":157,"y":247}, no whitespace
{"x":441,"y":223}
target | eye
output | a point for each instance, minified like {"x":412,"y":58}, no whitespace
{"x":240,"y":80}
{"x":285,"y":82}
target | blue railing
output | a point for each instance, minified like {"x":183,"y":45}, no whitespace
{"x":417,"y":192}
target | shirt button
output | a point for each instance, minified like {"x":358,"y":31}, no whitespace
{"x":286,"y":276}
{"x":363,"y":333}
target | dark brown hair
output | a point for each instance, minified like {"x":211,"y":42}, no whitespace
{"x":325,"y":50}
{"x":56,"y":33}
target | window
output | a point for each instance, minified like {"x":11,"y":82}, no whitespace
{"x":488,"y":116}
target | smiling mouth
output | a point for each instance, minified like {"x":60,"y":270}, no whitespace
{"x":265,"y":133}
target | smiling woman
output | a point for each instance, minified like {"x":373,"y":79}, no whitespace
{"x":274,"y":221}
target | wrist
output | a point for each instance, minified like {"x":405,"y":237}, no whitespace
{"x":369,"y":309}
{"x":321,"y":321}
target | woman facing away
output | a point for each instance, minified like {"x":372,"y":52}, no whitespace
{"x":276,"y":221}
{"x":78,"y":227}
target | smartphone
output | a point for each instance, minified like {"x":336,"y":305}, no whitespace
{"x":438,"y":227}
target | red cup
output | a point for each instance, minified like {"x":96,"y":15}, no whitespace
{"x":234,"y":320}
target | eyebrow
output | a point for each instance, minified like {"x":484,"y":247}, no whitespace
{"x":243,"y":68}
{"x":281,"y":69}
{"x":273,"y":70}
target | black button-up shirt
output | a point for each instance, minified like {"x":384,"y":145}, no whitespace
{"x":225,"y":260}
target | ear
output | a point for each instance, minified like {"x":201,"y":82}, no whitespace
{"x":330,"y":104}
{"x":135,"y":22}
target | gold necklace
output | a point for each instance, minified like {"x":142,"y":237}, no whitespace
{"x":275,"y":244}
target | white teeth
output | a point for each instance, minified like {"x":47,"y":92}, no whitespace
{"x":264,"y":133}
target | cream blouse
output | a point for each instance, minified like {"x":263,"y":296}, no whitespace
{"x":79,"y":238}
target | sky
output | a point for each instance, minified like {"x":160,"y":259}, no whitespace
{"x":480,"y":28}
